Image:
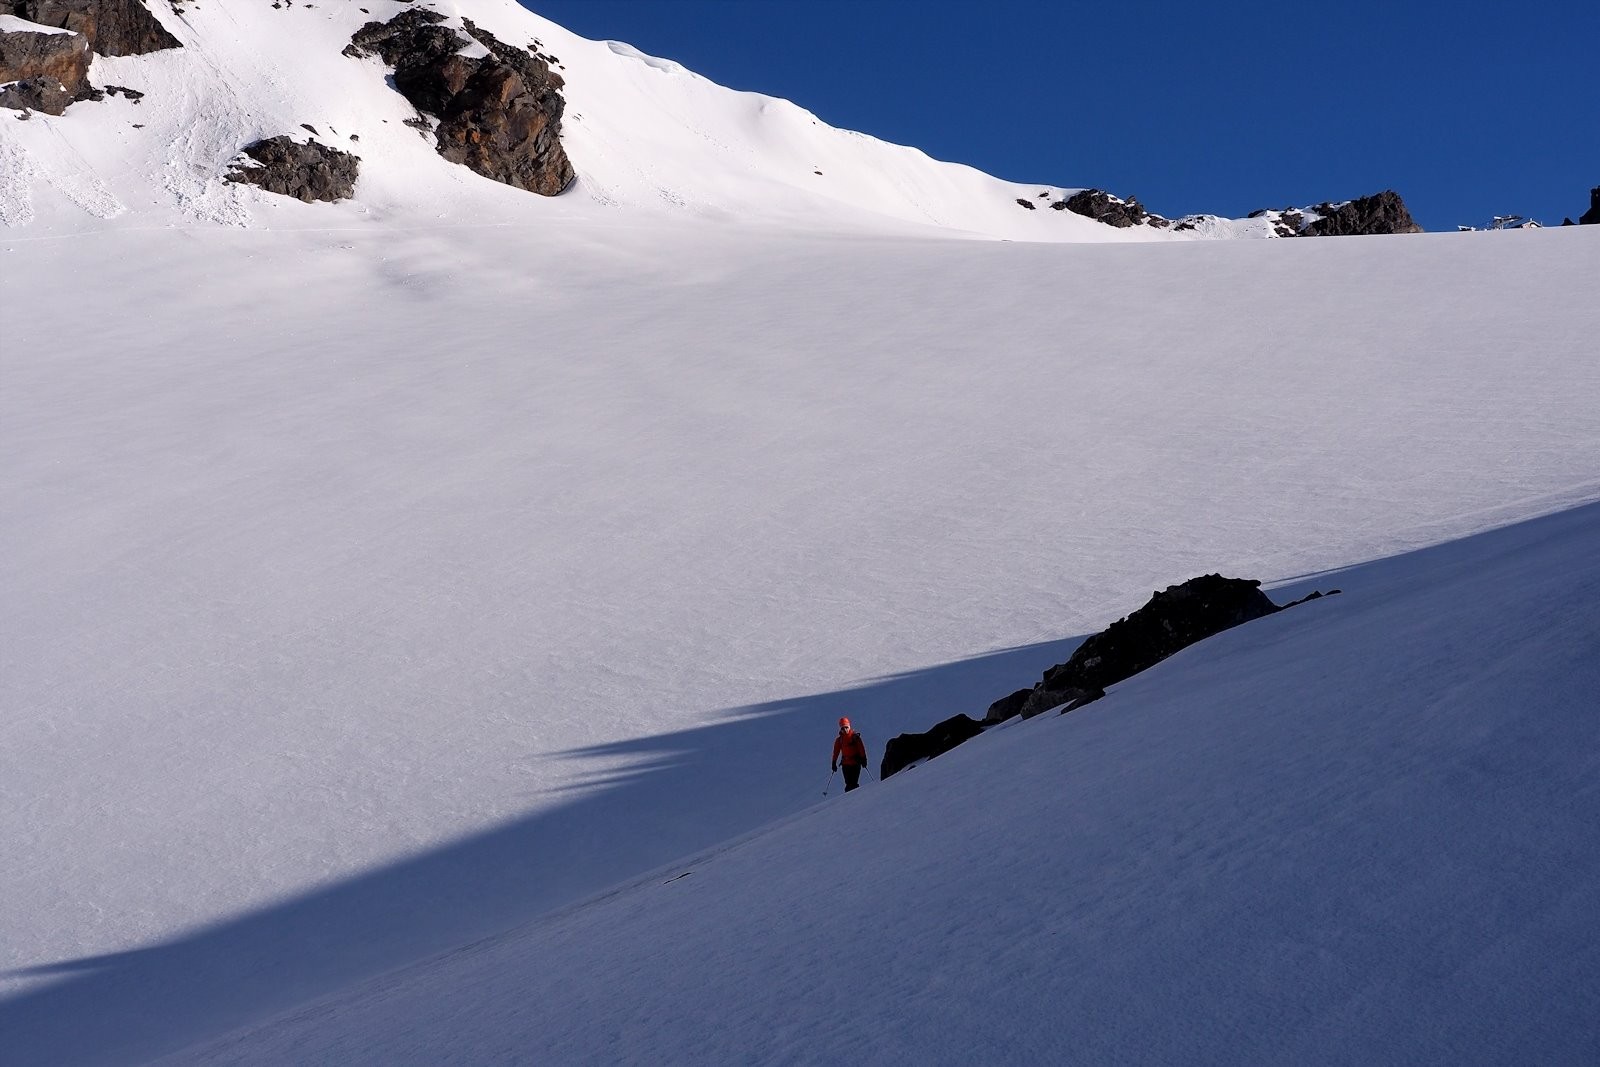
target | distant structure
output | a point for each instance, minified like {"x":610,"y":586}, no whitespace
{"x":1505,"y":222}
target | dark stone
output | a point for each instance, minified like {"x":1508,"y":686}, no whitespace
{"x":36,"y":94}
{"x":113,"y":27}
{"x":499,"y":115}
{"x":1026,"y":203}
{"x":1380,"y":213}
{"x":906,"y":749}
{"x":122,"y":90}
{"x":306,"y":172}
{"x":1101,"y":206}
{"x":50,"y":70}
{"x":1067,"y":698}
{"x":1005,"y":707}
{"x":1592,"y":216}
{"x":1173,"y":620}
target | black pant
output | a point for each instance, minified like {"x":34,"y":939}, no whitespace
{"x":852,"y":776}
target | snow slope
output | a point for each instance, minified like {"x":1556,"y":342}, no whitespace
{"x":1361,"y":832}
{"x":647,"y":138}
{"x":381,"y":576}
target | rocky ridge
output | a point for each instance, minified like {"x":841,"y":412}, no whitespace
{"x":499,"y":114}
{"x":1172,"y":620}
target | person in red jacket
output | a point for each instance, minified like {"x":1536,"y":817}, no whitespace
{"x":851,"y":752}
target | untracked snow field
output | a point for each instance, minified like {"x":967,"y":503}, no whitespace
{"x":372,"y":591}
{"x":410,"y":573}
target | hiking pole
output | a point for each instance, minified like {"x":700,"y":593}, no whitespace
{"x":830,"y":780}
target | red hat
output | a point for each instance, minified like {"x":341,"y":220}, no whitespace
{"x":844,"y":724}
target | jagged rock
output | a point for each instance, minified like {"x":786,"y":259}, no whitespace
{"x":306,"y":172}
{"x":1382,"y":212}
{"x":906,"y":749}
{"x":1173,"y":619}
{"x":1592,"y":216}
{"x":1067,"y":698}
{"x":36,"y":94}
{"x":1005,"y":707}
{"x":1103,"y":207}
{"x":49,"y":70}
{"x":113,"y":27}
{"x":1025,"y":202}
{"x":499,"y":115}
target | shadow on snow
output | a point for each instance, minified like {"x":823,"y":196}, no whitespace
{"x":677,"y":793}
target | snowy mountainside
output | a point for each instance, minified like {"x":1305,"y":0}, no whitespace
{"x":1360,"y":832}
{"x":646,"y":135}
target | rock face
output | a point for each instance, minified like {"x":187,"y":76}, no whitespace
{"x":1173,"y":620}
{"x":304,"y":171}
{"x":500,"y":114}
{"x":906,"y":749}
{"x":1112,"y":210}
{"x":47,"y":71}
{"x":113,"y":27}
{"x":1592,"y":216}
{"x":1382,"y":212}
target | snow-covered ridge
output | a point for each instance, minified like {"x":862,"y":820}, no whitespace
{"x":645,"y":135}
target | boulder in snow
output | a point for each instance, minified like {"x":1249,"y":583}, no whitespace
{"x":307,"y":172}
{"x":906,"y":749}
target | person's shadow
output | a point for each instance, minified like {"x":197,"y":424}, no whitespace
{"x":681,"y":792}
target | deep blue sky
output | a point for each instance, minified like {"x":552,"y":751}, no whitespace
{"x":1467,"y":109}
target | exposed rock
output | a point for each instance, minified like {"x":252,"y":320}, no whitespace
{"x":36,"y":94}
{"x":1025,"y":202}
{"x":1103,"y":207}
{"x":1592,"y":216}
{"x":49,"y":70}
{"x":906,"y":749}
{"x":1067,"y":698}
{"x":1005,"y":707}
{"x":1380,"y":213}
{"x":306,"y":172}
{"x":500,"y":114}
{"x":113,"y":27}
{"x":1172,"y":620}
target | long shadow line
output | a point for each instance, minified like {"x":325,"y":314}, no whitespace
{"x":684,"y":792}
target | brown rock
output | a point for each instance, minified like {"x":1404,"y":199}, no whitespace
{"x":50,"y":70}
{"x":113,"y":27}
{"x":500,"y":115}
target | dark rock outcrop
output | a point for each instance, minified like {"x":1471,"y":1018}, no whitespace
{"x":499,"y":115}
{"x":1592,"y":216}
{"x":1112,"y":210}
{"x":906,"y":749}
{"x":1173,"y":620}
{"x":113,"y":27}
{"x":1380,"y":213}
{"x":306,"y":172}
{"x":1007,"y":706}
{"x":49,"y":70}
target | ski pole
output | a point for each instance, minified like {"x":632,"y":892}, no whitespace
{"x":830,"y":780}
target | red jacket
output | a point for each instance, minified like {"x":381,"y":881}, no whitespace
{"x":851,"y":748}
